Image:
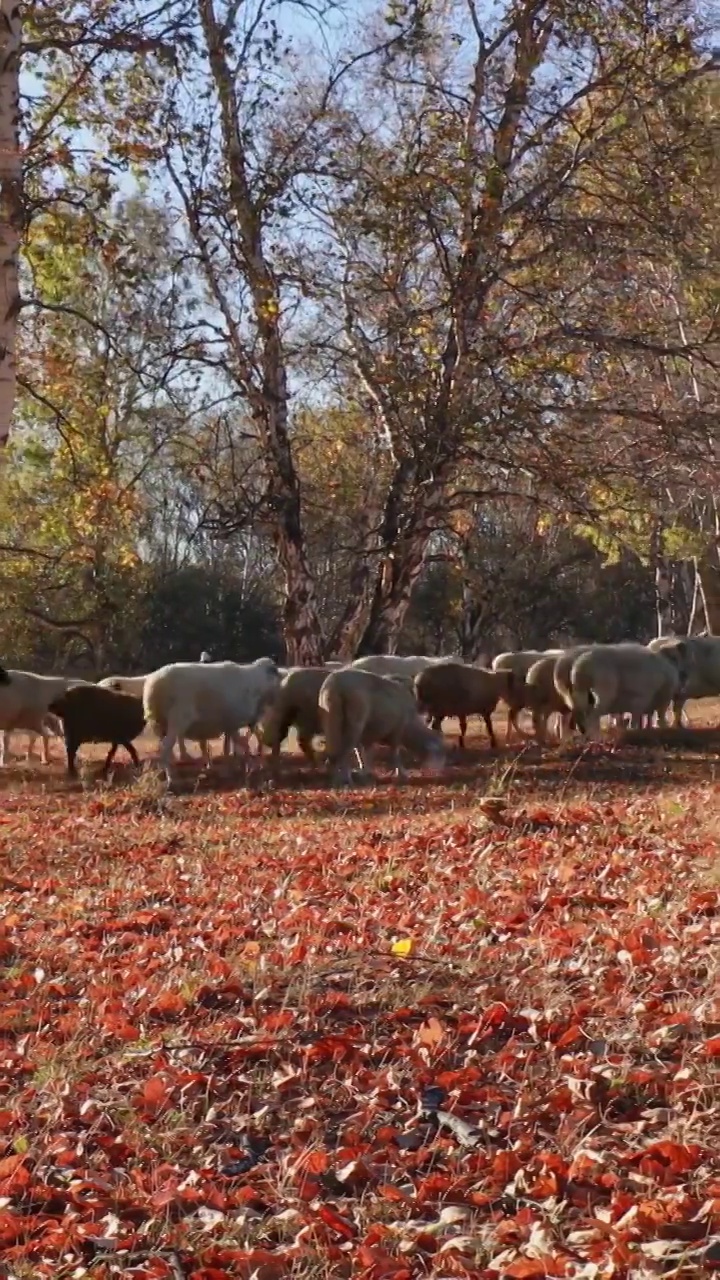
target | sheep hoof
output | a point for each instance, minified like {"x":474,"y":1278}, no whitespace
{"x":342,"y":779}
{"x":362,"y":777}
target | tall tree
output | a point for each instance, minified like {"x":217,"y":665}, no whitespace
{"x":230,"y":175}
{"x":485,"y":231}
{"x":440,"y":215}
{"x":103,"y":396}
{"x":11,"y":204}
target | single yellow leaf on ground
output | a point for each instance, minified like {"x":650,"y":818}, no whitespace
{"x":402,"y":947}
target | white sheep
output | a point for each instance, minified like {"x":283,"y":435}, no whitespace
{"x":24,"y":704}
{"x":542,"y":697}
{"x":206,"y":700}
{"x":703,"y":668}
{"x":612,"y":679}
{"x":134,"y":685}
{"x":359,"y":708}
{"x":394,"y":664}
{"x":52,"y":728}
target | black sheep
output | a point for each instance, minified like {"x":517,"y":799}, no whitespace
{"x":92,"y":714}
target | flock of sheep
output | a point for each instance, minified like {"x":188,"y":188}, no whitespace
{"x":398,"y":701}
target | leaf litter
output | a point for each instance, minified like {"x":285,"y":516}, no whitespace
{"x":263,"y":1036}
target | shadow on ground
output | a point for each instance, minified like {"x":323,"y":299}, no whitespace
{"x":623,"y":765}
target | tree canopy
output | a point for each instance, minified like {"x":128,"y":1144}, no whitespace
{"x":315,"y":298}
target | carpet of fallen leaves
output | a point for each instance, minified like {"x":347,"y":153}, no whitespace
{"x":392,"y":1033}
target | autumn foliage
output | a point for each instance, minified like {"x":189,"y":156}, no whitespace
{"x":389,"y":1034}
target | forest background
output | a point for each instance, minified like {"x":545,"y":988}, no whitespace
{"x":341,"y":328}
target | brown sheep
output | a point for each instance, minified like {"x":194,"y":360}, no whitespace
{"x":458,"y":689}
{"x":92,"y":714}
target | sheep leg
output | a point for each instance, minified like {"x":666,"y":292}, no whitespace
{"x":174,"y":731}
{"x":274,"y":734}
{"x":564,"y":725}
{"x":462,"y":720}
{"x":241,"y":749}
{"x":231,"y":740}
{"x":539,"y":723}
{"x":30,"y":748}
{"x":3,"y":746}
{"x":512,"y":724}
{"x":491,"y":732}
{"x":306,"y":746}
{"x":364,"y":757}
{"x":183,"y":752}
{"x":46,"y":759}
{"x":109,"y":759}
{"x":71,"y":747}
{"x":398,"y":770}
{"x":342,"y":777}
{"x":341,"y":773}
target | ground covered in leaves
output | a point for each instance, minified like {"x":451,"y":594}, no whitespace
{"x":394,"y":1033}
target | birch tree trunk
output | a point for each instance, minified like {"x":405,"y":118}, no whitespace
{"x":473,"y":623}
{"x":708,"y":569}
{"x":663,"y":598}
{"x":698,"y":613}
{"x":408,"y":520}
{"x":11,"y":206}
{"x":663,"y":582}
{"x":428,"y":444}
{"x":268,"y":396}
{"x":391,"y":598}
{"x":709,"y":576}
